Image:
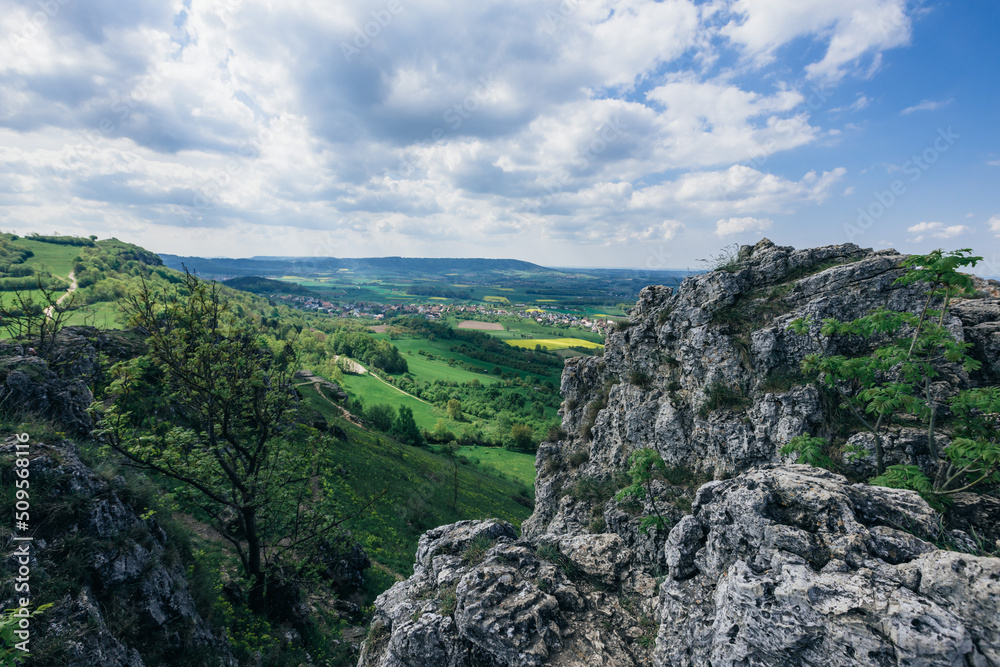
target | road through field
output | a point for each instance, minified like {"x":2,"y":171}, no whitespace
{"x":72,"y":288}
{"x":359,"y":369}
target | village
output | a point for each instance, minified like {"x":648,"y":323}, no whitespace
{"x":379,"y":311}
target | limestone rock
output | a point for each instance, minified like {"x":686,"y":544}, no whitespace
{"x":127,"y":559}
{"x":768,"y":563}
{"x":790,"y":565}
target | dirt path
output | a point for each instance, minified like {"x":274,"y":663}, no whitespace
{"x":400,"y":390}
{"x":72,"y":288}
{"x":347,"y":415}
{"x":361,"y":370}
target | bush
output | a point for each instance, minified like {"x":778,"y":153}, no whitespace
{"x":723,"y":396}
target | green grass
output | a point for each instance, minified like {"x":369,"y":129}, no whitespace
{"x":418,"y":487}
{"x":443,"y":371}
{"x":519,"y":465}
{"x":373,"y":391}
{"x":431,"y":369}
{"x":54,"y":257}
{"x":516,"y":328}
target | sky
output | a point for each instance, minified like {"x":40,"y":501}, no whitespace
{"x":638,"y":133}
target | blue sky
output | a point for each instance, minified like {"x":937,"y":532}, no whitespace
{"x":572,"y":133}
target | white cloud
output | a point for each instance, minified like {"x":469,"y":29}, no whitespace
{"x":738,"y":191}
{"x":740,"y":225}
{"x":855,"y":28}
{"x":936,"y":230}
{"x":926,"y":105}
{"x":453,"y":123}
{"x":994,"y":224}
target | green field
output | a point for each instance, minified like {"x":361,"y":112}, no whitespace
{"x":50,"y":256}
{"x":430,"y":370}
{"x":373,"y":391}
{"x":519,"y":465}
{"x":423,"y":368}
{"x":527,"y":328}
{"x":554,"y":343}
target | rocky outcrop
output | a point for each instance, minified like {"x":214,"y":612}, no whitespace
{"x":124,"y":579}
{"x":790,"y":565}
{"x":479,"y":596}
{"x":331,"y":389}
{"x":57,"y":386}
{"x":770,"y":563}
{"x":27,"y":384}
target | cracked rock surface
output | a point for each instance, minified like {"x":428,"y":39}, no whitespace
{"x":762,"y":562}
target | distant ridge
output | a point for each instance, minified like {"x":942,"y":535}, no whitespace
{"x":279,"y":266}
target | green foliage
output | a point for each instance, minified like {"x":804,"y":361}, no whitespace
{"x":645,"y":463}
{"x":454,"y":409}
{"x":727,"y":259}
{"x":639,"y":378}
{"x":405,"y":427}
{"x":476,"y":549}
{"x":62,"y":240}
{"x":522,"y":437}
{"x":780,"y":381}
{"x":810,"y":450}
{"x":9,"y":623}
{"x":551,"y":553}
{"x":211,"y":409}
{"x":35,"y":313}
{"x":720,"y":395}
{"x":893,"y":382}
{"x":381,"y":416}
{"x":596,"y":490}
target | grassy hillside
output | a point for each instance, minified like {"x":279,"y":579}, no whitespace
{"x":419,"y":489}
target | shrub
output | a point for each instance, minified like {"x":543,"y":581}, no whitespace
{"x":639,"y":378}
{"x":719,"y":395}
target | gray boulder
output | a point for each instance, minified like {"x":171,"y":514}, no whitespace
{"x":790,"y":565}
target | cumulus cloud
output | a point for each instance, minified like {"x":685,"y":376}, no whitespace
{"x":421,"y":128}
{"x":733,"y":226}
{"x":994,"y":224}
{"x":855,"y":28}
{"x":936,"y":230}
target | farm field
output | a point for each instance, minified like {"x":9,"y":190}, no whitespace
{"x":432,"y":369}
{"x":373,"y":391}
{"x":527,"y":328}
{"x":553,"y":343}
{"x":50,"y":256}
{"x":480,"y":326}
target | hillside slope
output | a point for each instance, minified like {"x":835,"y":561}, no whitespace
{"x":769,"y":564}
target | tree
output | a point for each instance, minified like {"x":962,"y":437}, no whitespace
{"x":451,"y":453}
{"x":381,"y":416}
{"x":405,"y":428}
{"x":645,"y":462}
{"x":212,"y":408}
{"x":894,"y":382}
{"x":522,"y":436}
{"x":455,"y":409}
{"x":36,"y":315}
